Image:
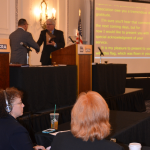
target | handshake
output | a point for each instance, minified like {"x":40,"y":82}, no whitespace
{"x":38,"y":147}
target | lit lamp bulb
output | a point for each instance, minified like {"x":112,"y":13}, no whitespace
{"x":53,"y":13}
{"x":37,"y":12}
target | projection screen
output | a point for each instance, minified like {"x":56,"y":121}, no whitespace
{"x":122,"y":31}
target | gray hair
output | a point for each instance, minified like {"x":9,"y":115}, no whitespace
{"x":51,"y":21}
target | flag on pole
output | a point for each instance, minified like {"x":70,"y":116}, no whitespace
{"x":77,"y":37}
{"x":79,"y":32}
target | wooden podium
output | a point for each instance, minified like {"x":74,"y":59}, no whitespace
{"x":4,"y":63}
{"x":80,"y":55}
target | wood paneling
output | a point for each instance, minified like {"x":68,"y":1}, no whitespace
{"x":4,"y":70}
{"x":85,"y":73}
{"x":65,"y":55}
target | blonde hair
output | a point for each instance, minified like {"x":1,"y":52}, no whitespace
{"x":90,"y":117}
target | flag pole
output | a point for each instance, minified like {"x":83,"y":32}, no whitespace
{"x":79,"y":32}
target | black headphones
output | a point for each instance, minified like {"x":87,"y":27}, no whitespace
{"x":8,"y":106}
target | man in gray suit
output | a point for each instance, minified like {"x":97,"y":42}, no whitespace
{"x":18,"y":51}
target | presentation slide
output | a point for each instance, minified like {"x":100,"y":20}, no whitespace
{"x":122,"y":31}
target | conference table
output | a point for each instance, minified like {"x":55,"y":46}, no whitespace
{"x":126,"y":127}
{"x":131,"y":100}
{"x":139,"y":80}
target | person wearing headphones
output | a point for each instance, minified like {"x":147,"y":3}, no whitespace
{"x":13,"y":135}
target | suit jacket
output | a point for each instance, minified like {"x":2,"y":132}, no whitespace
{"x":13,"y":135}
{"x":66,"y":141}
{"x":18,"y":52}
{"x":47,"y":49}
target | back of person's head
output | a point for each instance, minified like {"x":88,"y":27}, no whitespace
{"x":90,"y":117}
{"x":22,"y":22}
{"x":11,"y":94}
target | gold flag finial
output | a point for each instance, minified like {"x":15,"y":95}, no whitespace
{"x":79,"y":12}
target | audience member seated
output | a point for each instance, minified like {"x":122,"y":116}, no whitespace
{"x":13,"y":136}
{"x":89,"y":126}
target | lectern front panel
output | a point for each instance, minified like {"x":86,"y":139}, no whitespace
{"x":4,"y":45}
{"x":4,"y":63}
{"x":85,"y":73}
{"x":4,"y":70}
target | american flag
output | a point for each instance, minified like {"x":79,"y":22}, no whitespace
{"x":79,"y":32}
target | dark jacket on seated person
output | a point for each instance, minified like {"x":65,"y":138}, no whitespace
{"x":13,"y":135}
{"x":66,"y":141}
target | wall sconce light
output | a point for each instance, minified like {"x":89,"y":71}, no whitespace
{"x":53,"y":14}
{"x":44,"y":15}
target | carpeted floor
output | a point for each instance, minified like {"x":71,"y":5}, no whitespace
{"x":147,"y":103}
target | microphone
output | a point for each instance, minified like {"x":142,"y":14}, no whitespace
{"x":101,"y":53}
{"x":71,"y":39}
{"x":24,"y":45}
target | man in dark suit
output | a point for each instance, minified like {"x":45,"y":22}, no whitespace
{"x":18,"y":52}
{"x":54,"y":44}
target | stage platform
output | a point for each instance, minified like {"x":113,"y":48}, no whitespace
{"x":126,"y":127}
{"x":45,"y":86}
{"x":109,"y":79}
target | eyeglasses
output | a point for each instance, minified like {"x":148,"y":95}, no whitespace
{"x":49,"y":24}
{"x":20,"y":103}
